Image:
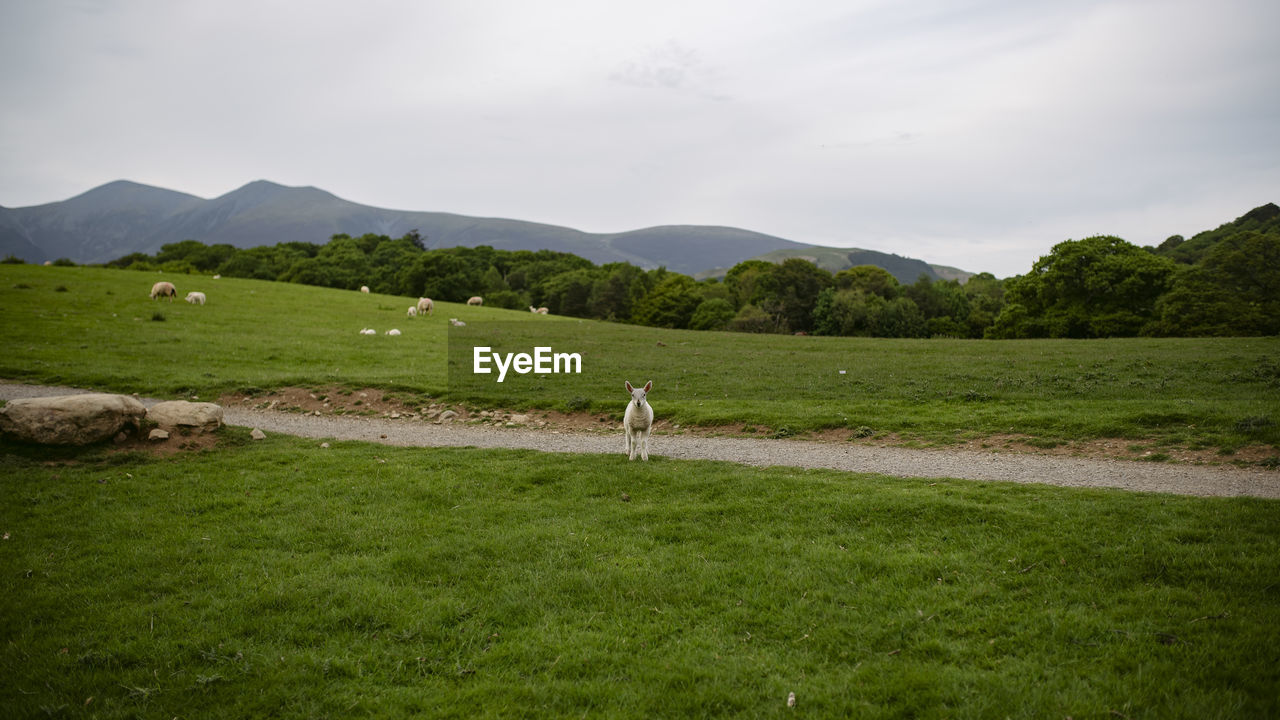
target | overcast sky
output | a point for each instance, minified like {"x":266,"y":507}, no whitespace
{"x":976,"y":134}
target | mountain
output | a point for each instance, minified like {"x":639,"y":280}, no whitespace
{"x":1264,"y":218}
{"x":833,"y":260}
{"x":124,"y":217}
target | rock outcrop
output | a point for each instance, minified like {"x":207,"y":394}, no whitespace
{"x":71,"y":419}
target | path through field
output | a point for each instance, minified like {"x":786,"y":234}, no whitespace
{"x":1204,"y":480}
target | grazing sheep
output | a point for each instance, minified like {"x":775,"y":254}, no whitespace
{"x":165,"y":289}
{"x":425,"y":306}
{"x":195,"y":298}
{"x":413,"y":311}
{"x":456,"y":322}
{"x":638,"y":421}
{"x":393,"y":332}
{"x":475,"y":300}
{"x":538,"y":311}
{"x":364,"y":289}
{"x":217,"y":277}
{"x":368,"y":331}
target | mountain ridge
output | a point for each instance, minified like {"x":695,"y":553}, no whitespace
{"x":123,"y":217}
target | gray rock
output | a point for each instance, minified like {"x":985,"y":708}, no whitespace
{"x":71,"y":419}
{"x":158,"y":435}
{"x":257,"y":434}
{"x":179,"y":413}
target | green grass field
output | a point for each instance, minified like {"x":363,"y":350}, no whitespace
{"x":279,"y":579}
{"x":276,"y":579}
{"x":98,"y":328}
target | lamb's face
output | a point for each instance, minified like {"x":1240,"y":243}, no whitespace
{"x":639,"y":395}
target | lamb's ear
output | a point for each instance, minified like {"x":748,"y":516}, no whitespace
{"x":648,"y":386}
{"x":629,"y":388}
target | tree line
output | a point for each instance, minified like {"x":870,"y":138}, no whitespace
{"x":1221,"y":282}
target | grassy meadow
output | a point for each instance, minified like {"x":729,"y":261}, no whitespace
{"x":98,"y":328}
{"x":277,"y":579}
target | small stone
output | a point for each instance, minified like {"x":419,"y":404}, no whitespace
{"x":626,"y":497}
{"x":324,"y":445}
{"x":447,"y":415}
{"x":257,"y":434}
{"x":520,"y":419}
{"x":395,"y":415}
{"x":158,"y":435}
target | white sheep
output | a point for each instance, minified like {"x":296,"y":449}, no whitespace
{"x":368,"y":331}
{"x":475,"y":300}
{"x":638,"y":421}
{"x":164,"y":289}
{"x":195,"y":298}
{"x":538,"y":311}
{"x":393,"y":332}
{"x":217,"y":277}
{"x":364,"y":289}
{"x":425,"y":306}
{"x":456,"y":322}
{"x":413,"y":311}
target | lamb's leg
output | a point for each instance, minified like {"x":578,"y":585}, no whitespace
{"x":644,"y":444}
{"x":631,"y":444}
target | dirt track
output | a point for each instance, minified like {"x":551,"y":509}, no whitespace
{"x":1204,"y":480}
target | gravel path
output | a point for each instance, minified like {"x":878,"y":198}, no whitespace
{"x":1204,"y":480}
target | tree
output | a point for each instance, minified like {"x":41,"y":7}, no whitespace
{"x":670,"y":304}
{"x":1235,"y":290}
{"x":1097,"y":287}
{"x":790,"y":292}
{"x":712,"y":314}
{"x":868,"y":278}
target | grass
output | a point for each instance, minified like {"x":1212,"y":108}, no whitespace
{"x":278,"y":579}
{"x":257,"y":335}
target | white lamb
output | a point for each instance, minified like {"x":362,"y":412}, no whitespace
{"x":638,"y":421}
{"x":538,"y":311}
{"x":475,"y":300}
{"x":364,"y":289}
{"x":195,"y":298}
{"x":425,"y":306}
{"x":413,"y":311}
{"x":393,"y":332}
{"x":368,"y":331}
{"x":456,"y":322}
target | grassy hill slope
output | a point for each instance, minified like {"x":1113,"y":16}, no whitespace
{"x":98,"y":328}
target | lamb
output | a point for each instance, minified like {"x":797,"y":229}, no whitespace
{"x":538,"y":311}
{"x":195,"y":298}
{"x":638,"y":421}
{"x":475,"y":300}
{"x":413,"y":311}
{"x":368,"y":331}
{"x":456,"y":322}
{"x":165,"y":289}
{"x":393,"y":332}
{"x":364,"y":289}
{"x":425,"y":306}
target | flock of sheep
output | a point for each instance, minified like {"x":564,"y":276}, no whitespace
{"x":637,"y":421}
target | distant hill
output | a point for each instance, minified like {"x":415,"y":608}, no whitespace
{"x":1265,"y":218}
{"x":906,"y":270}
{"x":124,"y":217}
